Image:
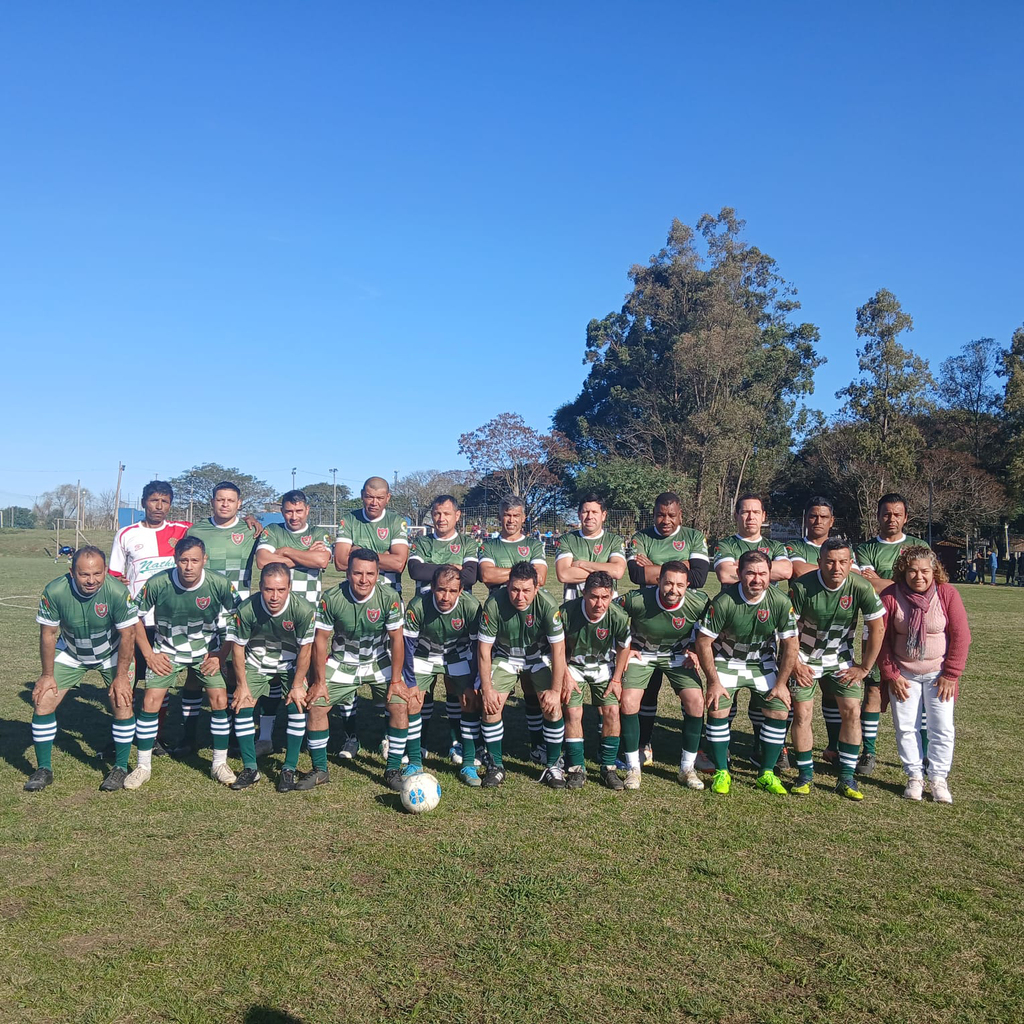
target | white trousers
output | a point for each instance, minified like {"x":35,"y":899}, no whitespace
{"x":923,"y":708}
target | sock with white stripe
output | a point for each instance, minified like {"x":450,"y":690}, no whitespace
{"x":574,"y":752}
{"x":609,"y":751}
{"x":123,"y":730}
{"x":397,"y":739}
{"x":649,"y":708}
{"x":534,"y":719}
{"x":469,"y":729}
{"x":756,"y":716}
{"x":44,"y":732}
{"x":295,"y":735}
{"x":414,"y":746}
{"x":692,"y":725}
{"x":869,"y":729}
{"x":348,"y":716}
{"x":833,"y":720}
{"x":772,"y":740}
{"x":191,"y":708}
{"x":805,"y":763}
{"x":847,"y":761}
{"x":146,"y":725}
{"x":924,"y":731}
{"x":453,"y":709}
{"x":718,"y":734}
{"x":245,"y":731}
{"x":316,"y":740}
{"x":494,"y":733}
{"x":220,"y":733}
{"x":554,"y":733}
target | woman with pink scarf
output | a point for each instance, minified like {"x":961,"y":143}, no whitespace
{"x":923,"y":655}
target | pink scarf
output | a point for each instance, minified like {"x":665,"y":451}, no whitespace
{"x":916,"y":629}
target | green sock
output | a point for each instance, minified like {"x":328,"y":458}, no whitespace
{"x":245,"y":733}
{"x":470,"y":727}
{"x":453,"y":709}
{"x":833,"y":720}
{"x":717,"y":735}
{"x":630,"y":734}
{"x":692,"y":726}
{"x":413,"y":744}
{"x":316,"y":740}
{"x":805,"y":763}
{"x":869,"y":729}
{"x":847,"y":760}
{"x":44,"y":732}
{"x":554,"y":733}
{"x":924,"y":742}
{"x":773,"y":739}
{"x":609,"y":751}
{"x":295,"y":735}
{"x":574,"y":752}
{"x":397,"y":739}
{"x":124,"y":732}
{"x":494,"y":733}
{"x":220,"y":729}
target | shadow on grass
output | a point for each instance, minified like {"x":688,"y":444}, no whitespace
{"x":268,"y":1015}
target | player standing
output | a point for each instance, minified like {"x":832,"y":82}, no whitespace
{"x":375,"y":528}
{"x":819,"y":519}
{"x":589,"y":549}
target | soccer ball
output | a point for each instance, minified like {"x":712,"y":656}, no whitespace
{"x":420,"y":792}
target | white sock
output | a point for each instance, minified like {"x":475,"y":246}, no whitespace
{"x":219,"y":757}
{"x":145,"y":759}
{"x":633,"y":759}
{"x":686,"y":762}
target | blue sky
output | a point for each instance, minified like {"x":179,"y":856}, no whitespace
{"x":267,"y":235}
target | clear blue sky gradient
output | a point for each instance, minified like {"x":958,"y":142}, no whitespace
{"x":274,"y":235}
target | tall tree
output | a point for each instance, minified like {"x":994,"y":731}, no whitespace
{"x":195,"y":486}
{"x":60,"y":503}
{"x":18,"y":517}
{"x":1012,"y":414}
{"x":321,"y":500}
{"x":417,"y":490}
{"x":699,"y":372}
{"x":967,"y":388}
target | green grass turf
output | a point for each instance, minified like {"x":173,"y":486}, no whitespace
{"x":186,"y":902}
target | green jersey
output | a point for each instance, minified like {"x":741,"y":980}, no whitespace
{"x":662,"y":634}
{"x":803,"y":551}
{"x":360,"y":628}
{"x":881,"y":555}
{"x":229,"y":551}
{"x":517,"y":635}
{"x":190,"y":622}
{"x":746,"y":633}
{"x":828,"y":618}
{"x":683,"y":544}
{"x":272,"y":642}
{"x":375,"y":534}
{"x":88,"y":624}
{"x":457,"y":550}
{"x":592,"y":646}
{"x":305,"y":581}
{"x":729,"y":549}
{"x":441,"y":641}
{"x":503,"y":554}
{"x":602,"y":547}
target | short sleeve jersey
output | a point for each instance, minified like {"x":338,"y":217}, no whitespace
{"x":803,"y":551}
{"x":88,"y":624}
{"x":744,"y":632}
{"x":229,"y":551}
{"x":601,"y":548}
{"x":360,"y":628}
{"x":272,"y":642}
{"x":881,"y":555}
{"x":503,"y":554}
{"x":445,"y":635}
{"x":659,"y":631}
{"x":375,"y":534}
{"x":190,"y":623}
{"x":305,"y":581}
{"x":594,"y":644}
{"x":729,"y":549}
{"x":828,"y":618}
{"x":432,"y":550}
{"x":683,"y":543}
{"x":139,"y":552}
{"x":520,"y":634}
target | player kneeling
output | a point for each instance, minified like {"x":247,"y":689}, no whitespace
{"x":272,"y":641}
{"x":439,"y":633}
{"x":596,"y":651}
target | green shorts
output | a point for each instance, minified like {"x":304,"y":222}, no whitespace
{"x":676,"y":671}
{"x":833,"y":687}
{"x":184,"y":674}
{"x":506,"y":672}
{"x":343,"y":681}
{"x":259,"y":684}
{"x":598,"y":682}
{"x":68,"y":676}
{"x":758,"y":702}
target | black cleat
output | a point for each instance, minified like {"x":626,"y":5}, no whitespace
{"x":393,"y":779}
{"x":245,"y":779}
{"x":866,"y":765}
{"x":312,"y":779}
{"x":495,"y":777}
{"x":159,"y":750}
{"x":611,"y":778}
{"x":38,"y":780}
{"x":286,"y":780}
{"x":114,"y":781}
{"x":553,"y":777}
{"x":576,"y":777}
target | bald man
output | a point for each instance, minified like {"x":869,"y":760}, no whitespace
{"x":377,"y":529}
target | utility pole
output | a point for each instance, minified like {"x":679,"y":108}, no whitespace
{"x":396,"y":480}
{"x":293,"y":478}
{"x":191,"y":491}
{"x":334,"y":478}
{"x":117,"y":494}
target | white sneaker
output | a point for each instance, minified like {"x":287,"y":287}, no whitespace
{"x":222,"y":773}
{"x":914,"y":789}
{"x":632,"y":779}
{"x":264,"y":747}
{"x":455,"y":753}
{"x":690,"y":779}
{"x":704,"y":763}
{"x":349,"y":748}
{"x":137,"y":778}
{"x":940,"y":792}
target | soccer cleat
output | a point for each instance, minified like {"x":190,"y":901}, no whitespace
{"x":576,"y":777}
{"x":940,"y":792}
{"x":349,"y":748}
{"x":455,"y":753}
{"x":646,"y":755}
{"x":783,"y":763}
{"x":610,"y":778}
{"x":803,"y":785}
{"x":424,"y":754}
{"x":246,"y":778}
{"x":137,"y":778}
{"x":411,"y":769}
{"x":114,"y":781}
{"x":722,"y":782}
{"x":495,"y":777}
{"x":286,"y":780}
{"x":393,"y":779}
{"x":849,"y":789}
{"x":314,"y":777}
{"x":830,"y":756}
{"x":914,"y":789}
{"x":866,"y":765}
{"x":264,"y":747}
{"x":223,"y":774}
{"x":159,"y":750}
{"x":469,"y":776}
{"x":553,"y":777}
{"x":703,"y":763}
{"x":620,"y":764}
{"x":186,"y":748}
{"x":38,"y":780}
{"x":539,"y":754}
{"x":632,"y":779}
{"x":770,"y":783}
{"x":689,"y":778}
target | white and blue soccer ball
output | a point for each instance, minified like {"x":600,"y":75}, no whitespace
{"x":420,"y":792}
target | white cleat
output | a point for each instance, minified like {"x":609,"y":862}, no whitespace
{"x":914,"y":789}
{"x":632,"y":779}
{"x":222,"y":773}
{"x":138,"y":778}
{"x":690,"y":779}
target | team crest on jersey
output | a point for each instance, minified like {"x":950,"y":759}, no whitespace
{"x":202,"y":603}
{"x":457,"y":623}
{"x":529,"y":619}
{"x":454,"y":548}
{"x":288,"y":625}
{"x":237,"y":538}
{"x":307,"y":540}
{"x":523,"y":549}
{"x":764,"y":549}
{"x":382,"y":532}
{"x":762,"y":614}
{"x":602,"y":634}
{"x":101,"y":609}
{"x":845,"y":601}
{"x":678,"y":545}
{"x":373,"y":614}
{"x":678,"y":623}
{"x":598,"y":548}
{"x":171,"y":541}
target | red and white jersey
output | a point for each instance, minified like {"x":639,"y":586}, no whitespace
{"x":140,"y":552}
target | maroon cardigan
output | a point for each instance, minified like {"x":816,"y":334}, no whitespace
{"x":958,"y":637}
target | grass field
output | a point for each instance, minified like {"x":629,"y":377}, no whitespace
{"x":186,"y":902}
